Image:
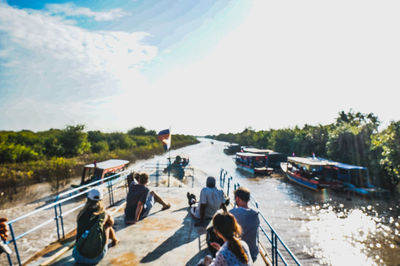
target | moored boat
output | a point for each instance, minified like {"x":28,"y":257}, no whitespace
{"x":253,"y":163}
{"x":354,"y":179}
{"x":99,"y":170}
{"x":304,"y":171}
{"x":317,"y":173}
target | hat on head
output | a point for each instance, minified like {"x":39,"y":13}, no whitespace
{"x":95,"y":195}
{"x":210,"y":181}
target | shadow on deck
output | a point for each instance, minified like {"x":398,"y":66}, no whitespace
{"x":163,"y":238}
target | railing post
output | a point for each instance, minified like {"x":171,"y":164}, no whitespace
{"x":229,"y":185}
{"x":110,"y":192}
{"x":61,"y":220}
{"x":15,"y":243}
{"x":274,"y":248}
{"x":56,"y":218}
{"x":168,"y":168}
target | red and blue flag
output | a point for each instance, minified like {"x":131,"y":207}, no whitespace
{"x":165,"y":137}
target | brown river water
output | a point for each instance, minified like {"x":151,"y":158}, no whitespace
{"x":320,"y":228}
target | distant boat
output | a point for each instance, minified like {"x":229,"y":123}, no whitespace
{"x":273,"y":159}
{"x":232,"y":149}
{"x":100,"y":170}
{"x":253,"y":163}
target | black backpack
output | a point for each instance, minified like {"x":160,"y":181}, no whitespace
{"x":212,"y":237}
{"x":91,"y":243}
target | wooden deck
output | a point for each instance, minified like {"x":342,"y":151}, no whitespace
{"x":163,"y":238}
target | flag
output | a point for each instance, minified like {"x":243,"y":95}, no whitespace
{"x":165,"y":137}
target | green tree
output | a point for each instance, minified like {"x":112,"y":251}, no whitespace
{"x":387,"y":143}
{"x":74,"y":141}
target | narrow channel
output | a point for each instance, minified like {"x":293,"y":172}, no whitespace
{"x":320,"y":228}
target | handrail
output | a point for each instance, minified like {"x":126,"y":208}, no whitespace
{"x":108,"y":182}
{"x":274,"y":238}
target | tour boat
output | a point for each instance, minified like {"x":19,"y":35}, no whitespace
{"x":310,"y":173}
{"x":253,"y":163}
{"x":99,"y":170}
{"x":316,"y":173}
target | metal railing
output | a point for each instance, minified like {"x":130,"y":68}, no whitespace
{"x":110,"y":183}
{"x":277,"y":244}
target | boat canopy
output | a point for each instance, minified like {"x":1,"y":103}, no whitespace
{"x":255,"y":150}
{"x":249,"y":154}
{"x":108,"y":164}
{"x":349,"y":166}
{"x":308,"y":161}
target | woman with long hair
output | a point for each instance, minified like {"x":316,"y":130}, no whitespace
{"x":233,"y":251}
{"x":93,"y":224}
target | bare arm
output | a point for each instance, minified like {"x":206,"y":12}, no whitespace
{"x":139,"y":209}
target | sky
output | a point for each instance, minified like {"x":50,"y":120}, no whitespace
{"x":197,"y":67}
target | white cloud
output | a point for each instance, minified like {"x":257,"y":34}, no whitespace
{"x":71,"y":10}
{"x":51,"y":67}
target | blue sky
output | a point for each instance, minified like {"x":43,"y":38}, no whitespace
{"x":199,"y":67}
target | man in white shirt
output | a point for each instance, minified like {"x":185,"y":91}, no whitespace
{"x":210,"y":201}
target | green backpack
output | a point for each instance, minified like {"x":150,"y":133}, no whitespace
{"x":91,"y":243}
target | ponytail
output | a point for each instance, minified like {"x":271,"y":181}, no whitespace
{"x":225,"y":223}
{"x":236,"y":247}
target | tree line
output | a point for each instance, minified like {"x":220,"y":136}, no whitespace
{"x":56,"y":155}
{"x":354,"y":138}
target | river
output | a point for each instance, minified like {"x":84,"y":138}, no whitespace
{"x":320,"y":228}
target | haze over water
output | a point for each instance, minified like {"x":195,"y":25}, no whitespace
{"x":320,"y":228}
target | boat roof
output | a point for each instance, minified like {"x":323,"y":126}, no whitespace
{"x":309,"y":161}
{"x":349,"y":166}
{"x":108,"y":164}
{"x":255,"y":150}
{"x":318,"y":161}
{"x":249,"y":154}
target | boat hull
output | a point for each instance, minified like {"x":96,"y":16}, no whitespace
{"x":255,"y":171}
{"x":300,"y":180}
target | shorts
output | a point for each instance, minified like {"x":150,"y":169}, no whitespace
{"x":147,"y":206}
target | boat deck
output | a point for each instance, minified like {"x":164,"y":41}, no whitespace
{"x":163,"y":238}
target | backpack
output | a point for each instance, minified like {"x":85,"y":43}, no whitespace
{"x":91,"y":243}
{"x":212,"y":237}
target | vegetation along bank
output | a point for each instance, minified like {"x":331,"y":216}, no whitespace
{"x":354,"y":138}
{"x":57,"y":155}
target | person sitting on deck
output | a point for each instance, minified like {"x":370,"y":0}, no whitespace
{"x":211,"y":199}
{"x":247,"y":219}
{"x":140,"y":200}
{"x":233,"y":251}
{"x":94,"y":230}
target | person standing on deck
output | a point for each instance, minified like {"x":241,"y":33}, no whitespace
{"x":140,"y":200}
{"x":248,"y":219}
{"x":211,"y":200}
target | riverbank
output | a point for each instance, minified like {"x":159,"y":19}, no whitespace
{"x":28,"y":181}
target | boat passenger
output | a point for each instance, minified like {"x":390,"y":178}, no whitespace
{"x":140,"y":200}
{"x":94,"y":230}
{"x":211,"y":199}
{"x":234,"y":251}
{"x":248,"y":219}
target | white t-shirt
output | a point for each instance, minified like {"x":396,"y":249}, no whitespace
{"x":213,"y":198}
